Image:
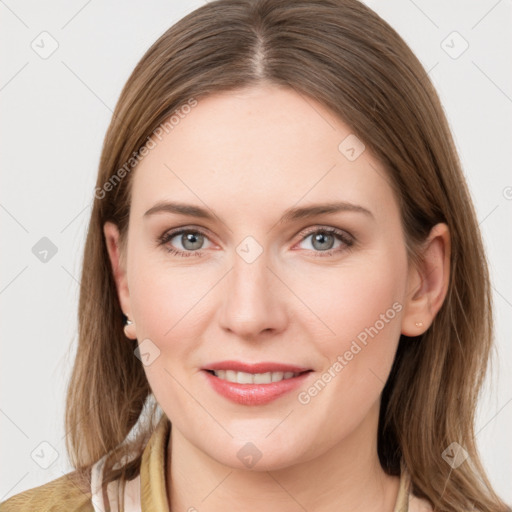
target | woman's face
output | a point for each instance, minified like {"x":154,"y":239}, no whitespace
{"x":254,"y":283}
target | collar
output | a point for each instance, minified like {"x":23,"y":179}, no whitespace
{"x":153,"y":494}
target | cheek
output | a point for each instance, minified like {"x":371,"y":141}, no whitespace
{"x":155,"y":297}
{"x":344,"y":301}
{"x":361,"y":305}
{"x":160,"y":293}
{"x":167,"y":306}
{"x":168,"y":303}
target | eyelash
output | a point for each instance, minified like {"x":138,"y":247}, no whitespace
{"x":347,"y":240}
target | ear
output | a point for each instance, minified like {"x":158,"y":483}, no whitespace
{"x":428,"y":285}
{"x":117,"y":260}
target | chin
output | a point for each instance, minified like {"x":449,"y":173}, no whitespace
{"x":261,"y":454}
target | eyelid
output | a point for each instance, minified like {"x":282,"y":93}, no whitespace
{"x":328,"y":229}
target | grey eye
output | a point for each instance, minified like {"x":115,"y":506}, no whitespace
{"x":322,"y":241}
{"x":191,"y":240}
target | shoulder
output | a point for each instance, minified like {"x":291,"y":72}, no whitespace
{"x":65,"y":493}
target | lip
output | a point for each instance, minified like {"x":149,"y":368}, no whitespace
{"x":263,"y":367}
{"x":254,"y":394}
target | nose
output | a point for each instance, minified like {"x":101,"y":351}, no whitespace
{"x":254,"y":299}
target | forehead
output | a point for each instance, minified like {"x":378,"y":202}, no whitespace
{"x":264,"y":147}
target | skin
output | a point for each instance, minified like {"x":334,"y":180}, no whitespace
{"x":247,"y":156}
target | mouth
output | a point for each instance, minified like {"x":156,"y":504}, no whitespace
{"x":254,"y":384}
{"x":238,"y":377}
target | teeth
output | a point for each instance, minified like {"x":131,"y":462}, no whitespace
{"x":253,"y":378}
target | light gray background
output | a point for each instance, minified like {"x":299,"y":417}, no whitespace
{"x":54,"y":114}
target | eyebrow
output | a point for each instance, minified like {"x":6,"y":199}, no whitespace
{"x":291,"y":214}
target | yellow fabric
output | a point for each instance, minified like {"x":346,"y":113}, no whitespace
{"x":153,"y":495}
{"x":59,"y":494}
{"x":63,"y":494}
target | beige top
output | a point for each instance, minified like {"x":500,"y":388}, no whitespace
{"x":146,"y":492}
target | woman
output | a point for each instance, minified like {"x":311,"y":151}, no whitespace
{"x":285,"y":302}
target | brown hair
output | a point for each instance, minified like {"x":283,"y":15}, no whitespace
{"x":342,"y":54}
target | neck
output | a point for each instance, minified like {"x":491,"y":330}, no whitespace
{"x":347,"y":477}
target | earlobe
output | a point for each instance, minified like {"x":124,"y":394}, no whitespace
{"x":112,"y":241}
{"x":428,"y":284}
